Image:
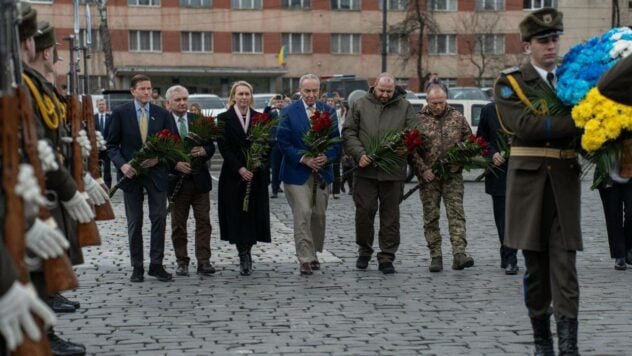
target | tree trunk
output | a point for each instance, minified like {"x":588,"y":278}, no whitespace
{"x":104,"y":31}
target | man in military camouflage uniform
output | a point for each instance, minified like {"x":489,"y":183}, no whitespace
{"x":444,"y":127}
{"x":543,"y":185}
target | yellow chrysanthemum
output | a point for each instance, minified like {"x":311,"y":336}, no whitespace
{"x":593,"y":139}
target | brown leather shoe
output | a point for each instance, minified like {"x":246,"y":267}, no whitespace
{"x":315,"y":265}
{"x":306,"y":269}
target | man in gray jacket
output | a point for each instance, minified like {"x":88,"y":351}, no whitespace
{"x":382,"y":110}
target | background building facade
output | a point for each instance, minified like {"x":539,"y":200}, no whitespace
{"x":207,"y":44}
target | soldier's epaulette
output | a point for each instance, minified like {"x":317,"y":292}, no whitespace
{"x":511,"y":70}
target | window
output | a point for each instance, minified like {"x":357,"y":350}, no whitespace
{"x":145,"y":41}
{"x":143,"y":2}
{"x":196,"y":3}
{"x":196,"y":41}
{"x":345,"y":43}
{"x":246,"y":4}
{"x":442,"y":44}
{"x":442,"y":5}
{"x":297,"y":42}
{"x":345,"y":4}
{"x":97,"y":83}
{"x":247,"y":43}
{"x":95,"y":38}
{"x":490,"y":5}
{"x":490,"y":44}
{"x":297,"y":4}
{"x":396,"y":44}
{"x":290,"y":85}
{"x":537,"y":4}
{"x":400,"y":5}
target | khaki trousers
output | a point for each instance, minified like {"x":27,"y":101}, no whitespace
{"x":309,"y":221}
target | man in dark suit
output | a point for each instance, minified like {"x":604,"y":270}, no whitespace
{"x":495,"y":182}
{"x":193,"y":191}
{"x":298,"y":172}
{"x":102,"y":122}
{"x":543,"y":184}
{"x":130,"y":125}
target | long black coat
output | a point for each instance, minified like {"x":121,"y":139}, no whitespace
{"x":489,"y":128}
{"x":237,"y":226}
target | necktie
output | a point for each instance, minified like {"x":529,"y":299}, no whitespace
{"x":182,"y":127}
{"x":550,"y":77}
{"x":142,"y":124}
{"x":102,"y":122}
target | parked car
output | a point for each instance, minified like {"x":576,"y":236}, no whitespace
{"x":262,"y":100}
{"x":211,"y":104}
{"x":467,"y":93}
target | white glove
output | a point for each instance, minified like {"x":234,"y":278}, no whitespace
{"x":78,"y":208}
{"x":46,"y":156}
{"x":102,"y":144}
{"x":45,"y":240}
{"x":16,"y":306}
{"x":84,"y":143}
{"x":97,"y":195}
{"x":28,"y":189}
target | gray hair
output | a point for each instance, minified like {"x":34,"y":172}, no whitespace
{"x":179,"y":88}
{"x":308,"y":76}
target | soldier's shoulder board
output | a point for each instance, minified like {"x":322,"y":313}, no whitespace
{"x":511,"y":70}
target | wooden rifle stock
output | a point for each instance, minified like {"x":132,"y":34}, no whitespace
{"x":88,"y":233}
{"x":58,"y":272}
{"x":14,"y":225}
{"x":103,"y":211}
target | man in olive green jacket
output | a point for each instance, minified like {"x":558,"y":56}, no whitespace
{"x":382,"y":110}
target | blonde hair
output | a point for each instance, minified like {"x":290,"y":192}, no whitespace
{"x":233,"y":89}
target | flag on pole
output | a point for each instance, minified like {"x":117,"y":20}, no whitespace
{"x":282,"y":56}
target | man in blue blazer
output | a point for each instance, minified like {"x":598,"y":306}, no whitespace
{"x":130,"y":126}
{"x":101,"y":123}
{"x":299,"y":172}
{"x":193,"y":191}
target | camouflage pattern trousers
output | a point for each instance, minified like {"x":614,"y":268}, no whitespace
{"x":451,"y":190}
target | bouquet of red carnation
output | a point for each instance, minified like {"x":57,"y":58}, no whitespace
{"x":260,"y":136}
{"x":470,"y":154}
{"x":318,"y":139}
{"x":386,"y":152}
{"x":165,"y":145}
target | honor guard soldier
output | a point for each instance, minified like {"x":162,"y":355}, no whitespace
{"x":543,"y":184}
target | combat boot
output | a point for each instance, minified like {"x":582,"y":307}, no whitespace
{"x":567,"y":337}
{"x":542,"y":337}
{"x":436,"y":264}
{"x":462,"y":261}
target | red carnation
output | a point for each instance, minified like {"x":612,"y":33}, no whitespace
{"x":261,"y":119}
{"x":471,"y":138}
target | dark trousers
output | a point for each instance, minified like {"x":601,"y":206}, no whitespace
{"x":106,"y":172}
{"x":366,"y":195}
{"x":336,"y":185}
{"x":276,"y":156}
{"x":157,"y":202}
{"x":186,"y":199}
{"x":617,"y":207}
{"x":551,"y":274}
{"x":347,"y":177}
{"x":507,"y":255}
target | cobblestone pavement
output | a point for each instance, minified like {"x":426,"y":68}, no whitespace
{"x":339,"y":310}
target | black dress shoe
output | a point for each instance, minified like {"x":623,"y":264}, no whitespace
{"x":363,"y":262}
{"x":61,"y":347}
{"x":245,"y":266}
{"x":280,"y":190}
{"x":182,"y":270}
{"x":619,"y":264}
{"x":63,"y":299}
{"x":137,"y":275}
{"x":206,"y":269}
{"x":306,"y":269}
{"x":386,"y":267}
{"x":159,"y":272}
{"x":60,"y":307}
{"x":511,"y":269}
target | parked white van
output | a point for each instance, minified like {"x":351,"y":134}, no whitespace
{"x":211,"y":104}
{"x":471,"y":109}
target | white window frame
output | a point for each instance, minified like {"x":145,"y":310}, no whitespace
{"x":296,"y":4}
{"x":203,"y":4}
{"x":354,"y":5}
{"x":188,"y":37}
{"x":490,"y":5}
{"x":155,"y":44}
{"x":246,"y":4}
{"x":395,"y":5}
{"x":297,"y":43}
{"x":354,"y":43}
{"x":531,"y":4}
{"x":449,"y":43}
{"x":254,"y":37}
{"x":498,"y":43}
{"x":442,"y":5}
{"x":152,"y":3}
